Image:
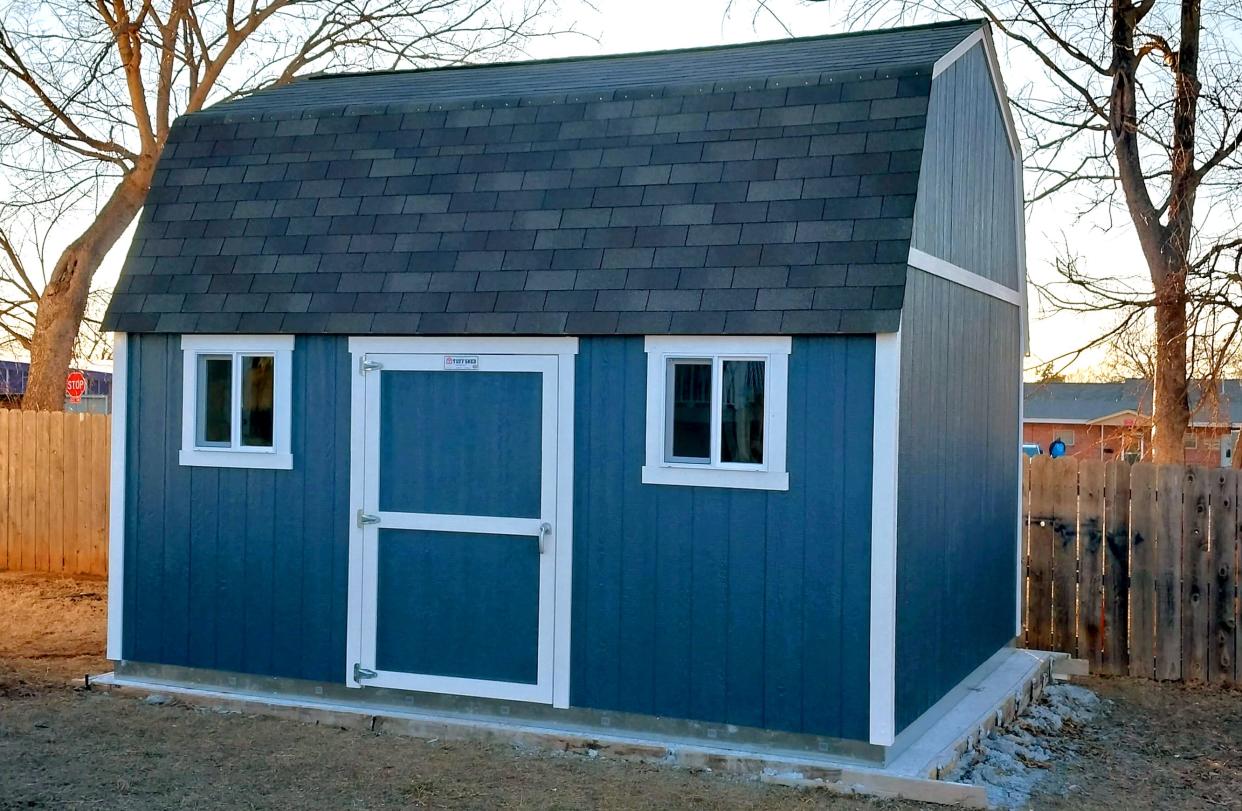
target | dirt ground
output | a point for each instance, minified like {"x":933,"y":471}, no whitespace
{"x":1155,"y":746}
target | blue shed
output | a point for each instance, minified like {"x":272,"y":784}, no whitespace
{"x":674,"y":392}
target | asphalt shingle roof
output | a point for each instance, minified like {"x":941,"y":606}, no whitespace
{"x":764,"y":188}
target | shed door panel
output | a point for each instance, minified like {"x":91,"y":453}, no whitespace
{"x":442,"y":429}
{"x":458,"y":546}
{"x":487,"y":627}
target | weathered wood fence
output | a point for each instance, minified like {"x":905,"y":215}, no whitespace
{"x":1134,"y":567}
{"x":54,"y":492}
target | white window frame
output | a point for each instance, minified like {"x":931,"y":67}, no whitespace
{"x":774,"y":351}
{"x":280,"y":349}
{"x":1068,"y":438}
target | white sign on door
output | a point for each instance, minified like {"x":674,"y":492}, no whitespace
{"x":463,"y":363}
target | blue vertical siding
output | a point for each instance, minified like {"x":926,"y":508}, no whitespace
{"x":957,"y":487}
{"x":737,"y":606}
{"x":734,"y":606}
{"x":241,"y":570}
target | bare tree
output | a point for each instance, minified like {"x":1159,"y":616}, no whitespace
{"x":1137,"y":109}
{"x":88,"y":91}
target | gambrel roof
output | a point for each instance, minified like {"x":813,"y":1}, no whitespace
{"x":759,"y":188}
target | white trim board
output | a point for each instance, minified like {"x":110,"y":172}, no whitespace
{"x":984,"y":36}
{"x":884,"y":454}
{"x":958,"y":275}
{"x":116,"y":496}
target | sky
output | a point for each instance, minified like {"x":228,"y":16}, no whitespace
{"x":621,"y":26}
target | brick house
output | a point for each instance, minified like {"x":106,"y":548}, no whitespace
{"x":1103,"y":420}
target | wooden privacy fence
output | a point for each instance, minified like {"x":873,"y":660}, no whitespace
{"x":1134,"y":567}
{"x":54,"y":492}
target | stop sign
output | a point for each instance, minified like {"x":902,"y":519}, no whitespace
{"x":75,"y":386}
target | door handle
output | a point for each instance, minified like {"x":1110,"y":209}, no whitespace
{"x":545,"y":530}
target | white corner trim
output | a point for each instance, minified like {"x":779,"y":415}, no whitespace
{"x":279,"y":456}
{"x":959,"y":275}
{"x":774,"y":351}
{"x":116,"y":496}
{"x":984,"y":36}
{"x":884,"y":461}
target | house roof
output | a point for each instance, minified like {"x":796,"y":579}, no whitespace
{"x":765,"y":187}
{"x":1098,"y":402}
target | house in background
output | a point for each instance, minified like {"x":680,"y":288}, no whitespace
{"x":669,"y":393}
{"x":96,"y":400}
{"x":1113,"y":420}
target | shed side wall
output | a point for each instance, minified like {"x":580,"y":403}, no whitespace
{"x":957,"y":487}
{"x":741,"y":606}
{"x":965,"y":209}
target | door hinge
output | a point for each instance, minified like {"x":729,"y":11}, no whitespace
{"x":365,"y":366}
{"x":365,"y":519}
{"x":361,"y":672}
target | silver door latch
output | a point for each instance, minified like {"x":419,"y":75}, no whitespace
{"x":365,"y":519}
{"x":369,"y":366}
{"x":361,"y":672}
{"x":545,"y":531}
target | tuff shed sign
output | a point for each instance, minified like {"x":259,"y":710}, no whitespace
{"x":75,"y":386}
{"x":462,"y":363}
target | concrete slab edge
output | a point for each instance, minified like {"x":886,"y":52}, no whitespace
{"x":785,"y":771}
{"x":1001,"y":716}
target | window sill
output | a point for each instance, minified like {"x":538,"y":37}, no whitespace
{"x":237,"y":459}
{"x":716,"y":477}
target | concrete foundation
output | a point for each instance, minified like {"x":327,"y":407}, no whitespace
{"x":992,"y":696}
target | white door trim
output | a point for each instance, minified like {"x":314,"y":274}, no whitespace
{"x":559,"y":407}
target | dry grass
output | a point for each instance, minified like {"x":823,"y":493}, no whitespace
{"x":1156,"y":746}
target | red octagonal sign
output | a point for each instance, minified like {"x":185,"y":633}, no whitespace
{"x":75,"y":386}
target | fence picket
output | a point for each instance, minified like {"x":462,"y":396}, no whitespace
{"x":1090,"y":560}
{"x":1065,"y":554}
{"x":5,"y":449}
{"x":1115,"y":656}
{"x":1145,"y":518}
{"x":1222,"y":585}
{"x":1040,"y":540}
{"x":1171,"y":480}
{"x":1194,"y":599}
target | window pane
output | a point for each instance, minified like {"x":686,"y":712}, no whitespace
{"x":689,"y":411}
{"x":215,"y":399}
{"x":257,"y":386}
{"x":741,"y":430}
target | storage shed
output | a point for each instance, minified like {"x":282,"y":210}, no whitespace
{"x":673,"y":392}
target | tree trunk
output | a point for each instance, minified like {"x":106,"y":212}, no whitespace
{"x":1171,"y":401}
{"x":63,"y":302}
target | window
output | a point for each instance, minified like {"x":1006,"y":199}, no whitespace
{"x":236,"y":401}
{"x":1190,"y":441}
{"x":1067,"y":437}
{"x":716,"y":412}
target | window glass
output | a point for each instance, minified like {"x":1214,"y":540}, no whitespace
{"x":690,"y":411}
{"x":215,"y":398}
{"x":258,"y":384}
{"x":741,"y":413}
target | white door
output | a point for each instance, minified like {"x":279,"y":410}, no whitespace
{"x":458,"y":524}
